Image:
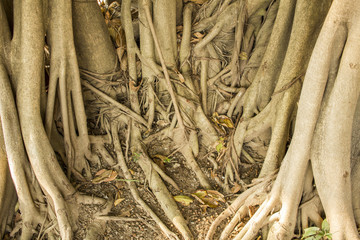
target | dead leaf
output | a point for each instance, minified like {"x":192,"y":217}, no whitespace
{"x":222,"y":120}
{"x":236,"y":188}
{"x":101,"y":171}
{"x":252,"y":210}
{"x":199,"y":35}
{"x":133,"y":87}
{"x":181,"y":77}
{"x":118,"y":198}
{"x":200,"y":193}
{"x":216,"y":195}
{"x":243,"y":56}
{"x":117,"y":201}
{"x":179,"y":28}
{"x":105,"y":175}
{"x":211,"y":198}
{"x":184,"y":200}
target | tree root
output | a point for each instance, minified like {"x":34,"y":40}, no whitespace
{"x":132,"y":186}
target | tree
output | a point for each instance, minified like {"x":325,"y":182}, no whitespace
{"x":246,"y":74}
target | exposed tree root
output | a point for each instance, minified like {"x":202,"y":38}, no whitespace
{"x":281,"y":205}
{"x":231,"y":87}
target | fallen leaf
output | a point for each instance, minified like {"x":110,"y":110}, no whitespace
{"x":236,"y":188}
{"x":179,"y":28}
{"x":243,"y":56}
{"x":252,"y":210}
{"x":101,"y":171}
{"x":223,"y":120}
{"x":199,"y":35}
{"x":181,"y":77}
{"x":216,"y":195}
{"x":118,"y":198}
{"x":219,"y":147}
{"x":184,"y":200}
{"x":211,"y":198}
{"x":163,"y":158}
{"x":117,"y":201}
{"x":111,"y":177}
{"x":200,"y":193}
{"x":104,"y":175}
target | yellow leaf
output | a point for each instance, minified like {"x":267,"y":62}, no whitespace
{"x":200,"y":193}
{"x":117,"y":201}
{"x":225,"y":121}
{"x":222,"y":120}
{"x":243,"y":56}
{"x":184,"y":200}
{"x":210,"y":198}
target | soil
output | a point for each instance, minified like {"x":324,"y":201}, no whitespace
{"x":199,"y":217}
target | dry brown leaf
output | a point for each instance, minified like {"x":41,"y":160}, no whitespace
{"x":181,"y":77}
{"x":252,"y":210}
{"x":194,"y":40}
{"x":199,"y":35}
{"x":216,"y":195}
{"x":105,"y":175}
{"x":236,"y":188}
{"x":179,"y":28}
{"x":117,"y":201}
{"x":101,"y":171}
{"x":111,"y":177}
{"x":118,"y":198}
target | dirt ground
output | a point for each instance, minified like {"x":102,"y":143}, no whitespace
{"x":134,"y":222}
